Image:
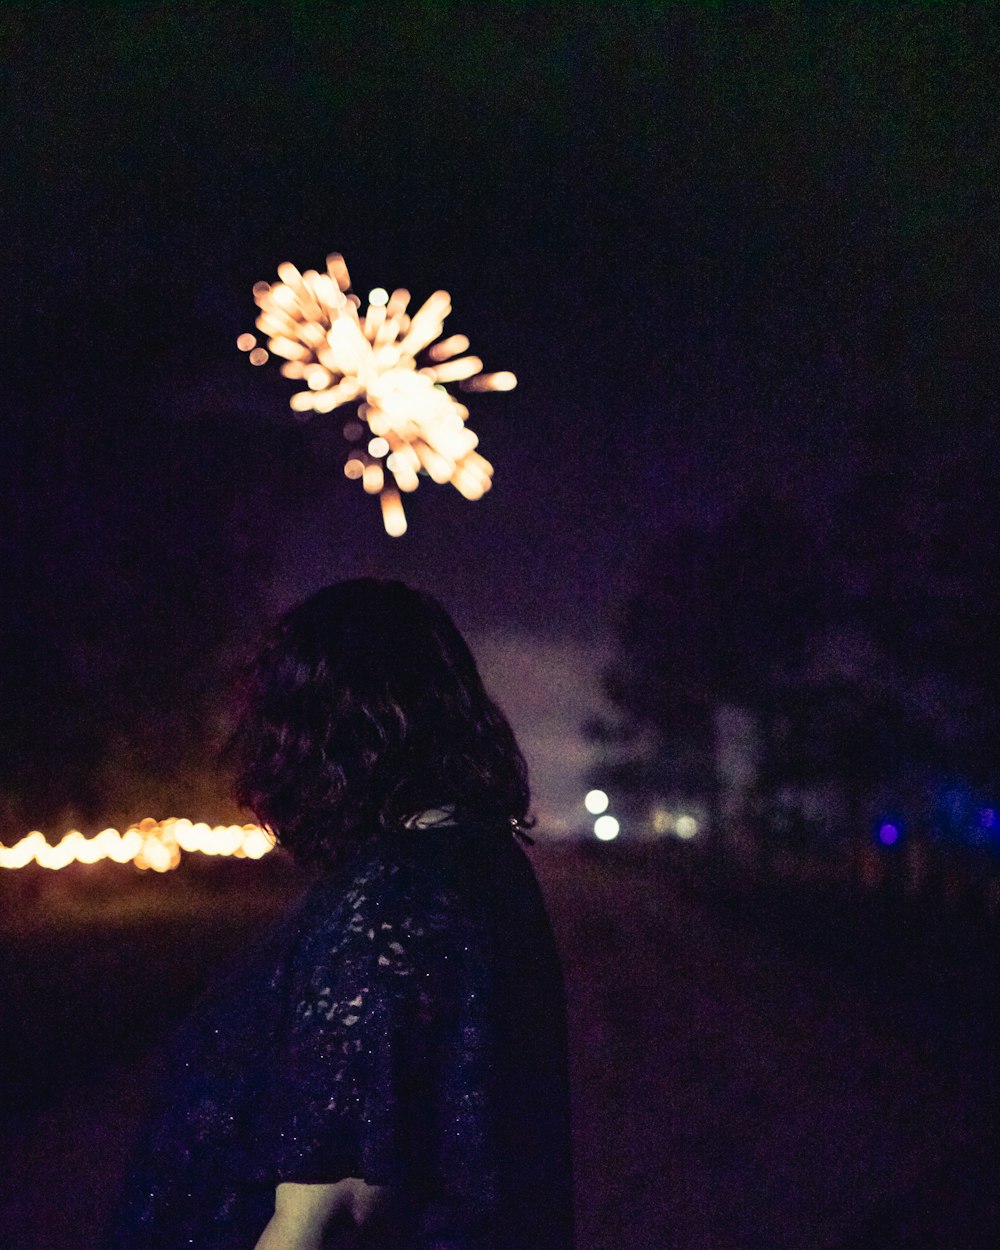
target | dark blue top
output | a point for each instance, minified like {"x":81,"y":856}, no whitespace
{"x":405,"y":1025}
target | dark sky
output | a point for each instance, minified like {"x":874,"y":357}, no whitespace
{"x":730,"y":252}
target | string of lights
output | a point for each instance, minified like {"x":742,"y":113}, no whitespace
{"x":149,"y":844}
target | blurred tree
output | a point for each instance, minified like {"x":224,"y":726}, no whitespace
{"x":716,"y":620}
{"x":866,"y":657}
{"x":133,"y":563}
{"x":917,"y":558}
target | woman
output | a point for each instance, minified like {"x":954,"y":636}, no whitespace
{"x":389,"y":1068}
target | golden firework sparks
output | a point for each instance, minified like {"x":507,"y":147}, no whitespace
{"x":392,"y":368}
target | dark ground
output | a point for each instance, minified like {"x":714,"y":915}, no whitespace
{"x":768,"y":1069}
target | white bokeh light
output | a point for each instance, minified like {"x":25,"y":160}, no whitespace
{"x":686,"y":827}
{"x":596,"y":802}
{"x":606,"y":828}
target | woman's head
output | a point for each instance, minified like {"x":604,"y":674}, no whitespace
{"x":364,"y":708}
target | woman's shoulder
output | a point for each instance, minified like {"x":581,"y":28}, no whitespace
{"x":403,"y":864}
{"x":401,"y":889}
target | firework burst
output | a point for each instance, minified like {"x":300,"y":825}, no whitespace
{"x":393,"y":369}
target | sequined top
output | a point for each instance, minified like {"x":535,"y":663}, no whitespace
{"x":405,"y":1024}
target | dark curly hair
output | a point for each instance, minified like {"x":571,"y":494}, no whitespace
{"x":364,"y":708}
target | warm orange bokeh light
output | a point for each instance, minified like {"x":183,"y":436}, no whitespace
{"x":149,"y":844}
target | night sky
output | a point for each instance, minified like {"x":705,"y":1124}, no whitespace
{"x":731,"y":252}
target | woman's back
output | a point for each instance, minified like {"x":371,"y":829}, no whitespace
{"x":406,"y":1026}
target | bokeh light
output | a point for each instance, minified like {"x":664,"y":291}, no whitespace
{"x":606,"y":828}
{"x":596,"y":801}
{"x":148,"y":844}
